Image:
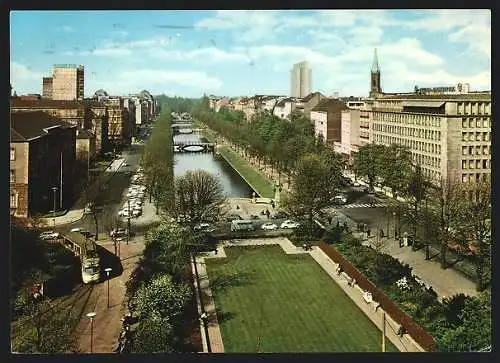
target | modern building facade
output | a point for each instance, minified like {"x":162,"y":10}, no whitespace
{"x":68,"y":82}
{"x":449,"y":136}
{"x":326,"y":118}
{"x":42,"y":159}
{"x":301,"y":80}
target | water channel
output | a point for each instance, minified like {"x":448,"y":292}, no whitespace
{"x":234,"y":185}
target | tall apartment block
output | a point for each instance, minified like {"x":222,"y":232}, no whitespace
{"x":47,"y":87}
{"x":301,"y":79}
{"x":68,"y":82}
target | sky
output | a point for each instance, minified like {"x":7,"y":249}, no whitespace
{"x":247,"y":52}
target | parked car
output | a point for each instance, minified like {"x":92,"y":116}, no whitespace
{"x":269,"y":226}
{"x":339,"y":199}
{"x":289,"y":224}
{"x":77,"y":229}
{"x":118,"y":232}
{"x":47,"y":235}
{"x":205,"y":227}
{"x":88,"y":208}
{"x":356,"y":183}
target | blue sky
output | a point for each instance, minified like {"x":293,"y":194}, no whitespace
{"x":232,"y":53}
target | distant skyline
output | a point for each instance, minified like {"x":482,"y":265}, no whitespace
{"x":232,"y":53}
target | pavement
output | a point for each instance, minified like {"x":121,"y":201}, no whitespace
{"x":404,"y":344}
{"x":76,"y":214}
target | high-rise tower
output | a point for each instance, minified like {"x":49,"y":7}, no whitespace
{"x":375,"y":88}
{"x":301,"y":77}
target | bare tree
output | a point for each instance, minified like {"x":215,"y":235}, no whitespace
{"x":473,"y":225}
{"x":199,"y":196}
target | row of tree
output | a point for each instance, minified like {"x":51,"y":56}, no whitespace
{"x":291,"y":149}
{"x":448,"y":212}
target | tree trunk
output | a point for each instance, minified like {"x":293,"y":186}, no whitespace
{"x":479,"y":273}
{"x":444,"y":264}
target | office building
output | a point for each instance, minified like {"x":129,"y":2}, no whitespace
{"x":301,"y":80}
{"x":68,"y":82}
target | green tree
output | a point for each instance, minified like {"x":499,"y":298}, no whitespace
{"x":473,"y":226}
{"x":155,"y":334}
{"x":41,"y":330}
{"x":313,"y":188}
{"x":368,"y":162}
{"x":161,"y":296}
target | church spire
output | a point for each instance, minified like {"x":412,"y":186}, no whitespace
{"x":375,"y":68}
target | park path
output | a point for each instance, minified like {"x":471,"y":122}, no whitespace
{"x":404,"y":344}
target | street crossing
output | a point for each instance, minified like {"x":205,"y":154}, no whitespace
{"x":364,"y":205}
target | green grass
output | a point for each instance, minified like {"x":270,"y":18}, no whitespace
{"x":262,"y":186}
{"x":287,"y":300}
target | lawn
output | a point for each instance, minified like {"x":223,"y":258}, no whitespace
{"x":268,"y":301}
{"x":262,"y":186}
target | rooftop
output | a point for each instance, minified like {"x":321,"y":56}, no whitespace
{"x":25,"y":126}
{"x":483,"y":96}
{"x":330,"y":105}
{"x":17,"y":102}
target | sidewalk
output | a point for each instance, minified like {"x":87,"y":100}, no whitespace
{"x":76,"y":214}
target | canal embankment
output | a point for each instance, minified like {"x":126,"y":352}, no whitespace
{"x":262,"y":186}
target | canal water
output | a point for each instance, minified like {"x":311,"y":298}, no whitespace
{"x":234,"y":185}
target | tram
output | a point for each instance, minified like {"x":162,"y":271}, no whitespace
{"x":86,"y":249}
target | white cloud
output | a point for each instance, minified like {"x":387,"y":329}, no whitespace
{"x":156,"y":80}
{"x":22,"y":78}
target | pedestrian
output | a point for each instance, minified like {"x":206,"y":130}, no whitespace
{"x":368,"y":232}
{"x":267,"y":213}
{"x":330,"y":220}
{"x":272,"y":203}
{"x":237,"y":207}
{"x":215,"y":250}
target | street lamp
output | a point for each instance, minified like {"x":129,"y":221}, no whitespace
{"x":394,"y":218}
{"x":54,"y":189}
{"x":108,"y":270}
{"x":91,"y":316}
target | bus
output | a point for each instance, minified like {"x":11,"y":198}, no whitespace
{"x":86,"y":249}
{"x":242,"y":225}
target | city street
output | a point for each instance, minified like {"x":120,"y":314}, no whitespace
{"x":107,"y":323}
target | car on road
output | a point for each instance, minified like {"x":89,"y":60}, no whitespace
{"x":77,"y":229}
{"x":118,"y":232}
{"x":339,"y":199}
{"x":289,"y":224}
{"x":48,"y":235}
{"x":88,"y":208}
{"x":356,"y":183}
{"x":205,"y":227}
{"x":269,"y":226}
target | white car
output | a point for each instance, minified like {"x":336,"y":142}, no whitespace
{"x":49,"y":235}
{"x":269,"y":226}
{"x":356,"y":184}
{"x":289,"y":224}
{"x":77,"y":229}
{"x":340,"y":199}
{"x":205,"y":227}
{"x":125,"y":164}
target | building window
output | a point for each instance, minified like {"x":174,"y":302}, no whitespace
{"x":13,"y":200}
{"x":12,"y":153}
{"x":464,"y":178}
{"x":485,"y":164}
{"x":12,"y":176}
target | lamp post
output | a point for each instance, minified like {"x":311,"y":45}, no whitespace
{"x":108,"y":270}
{"x":91,"y":316}
{"x":54,"y":189}
{"x":394,"y":218}
{"x":128,"y":220}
